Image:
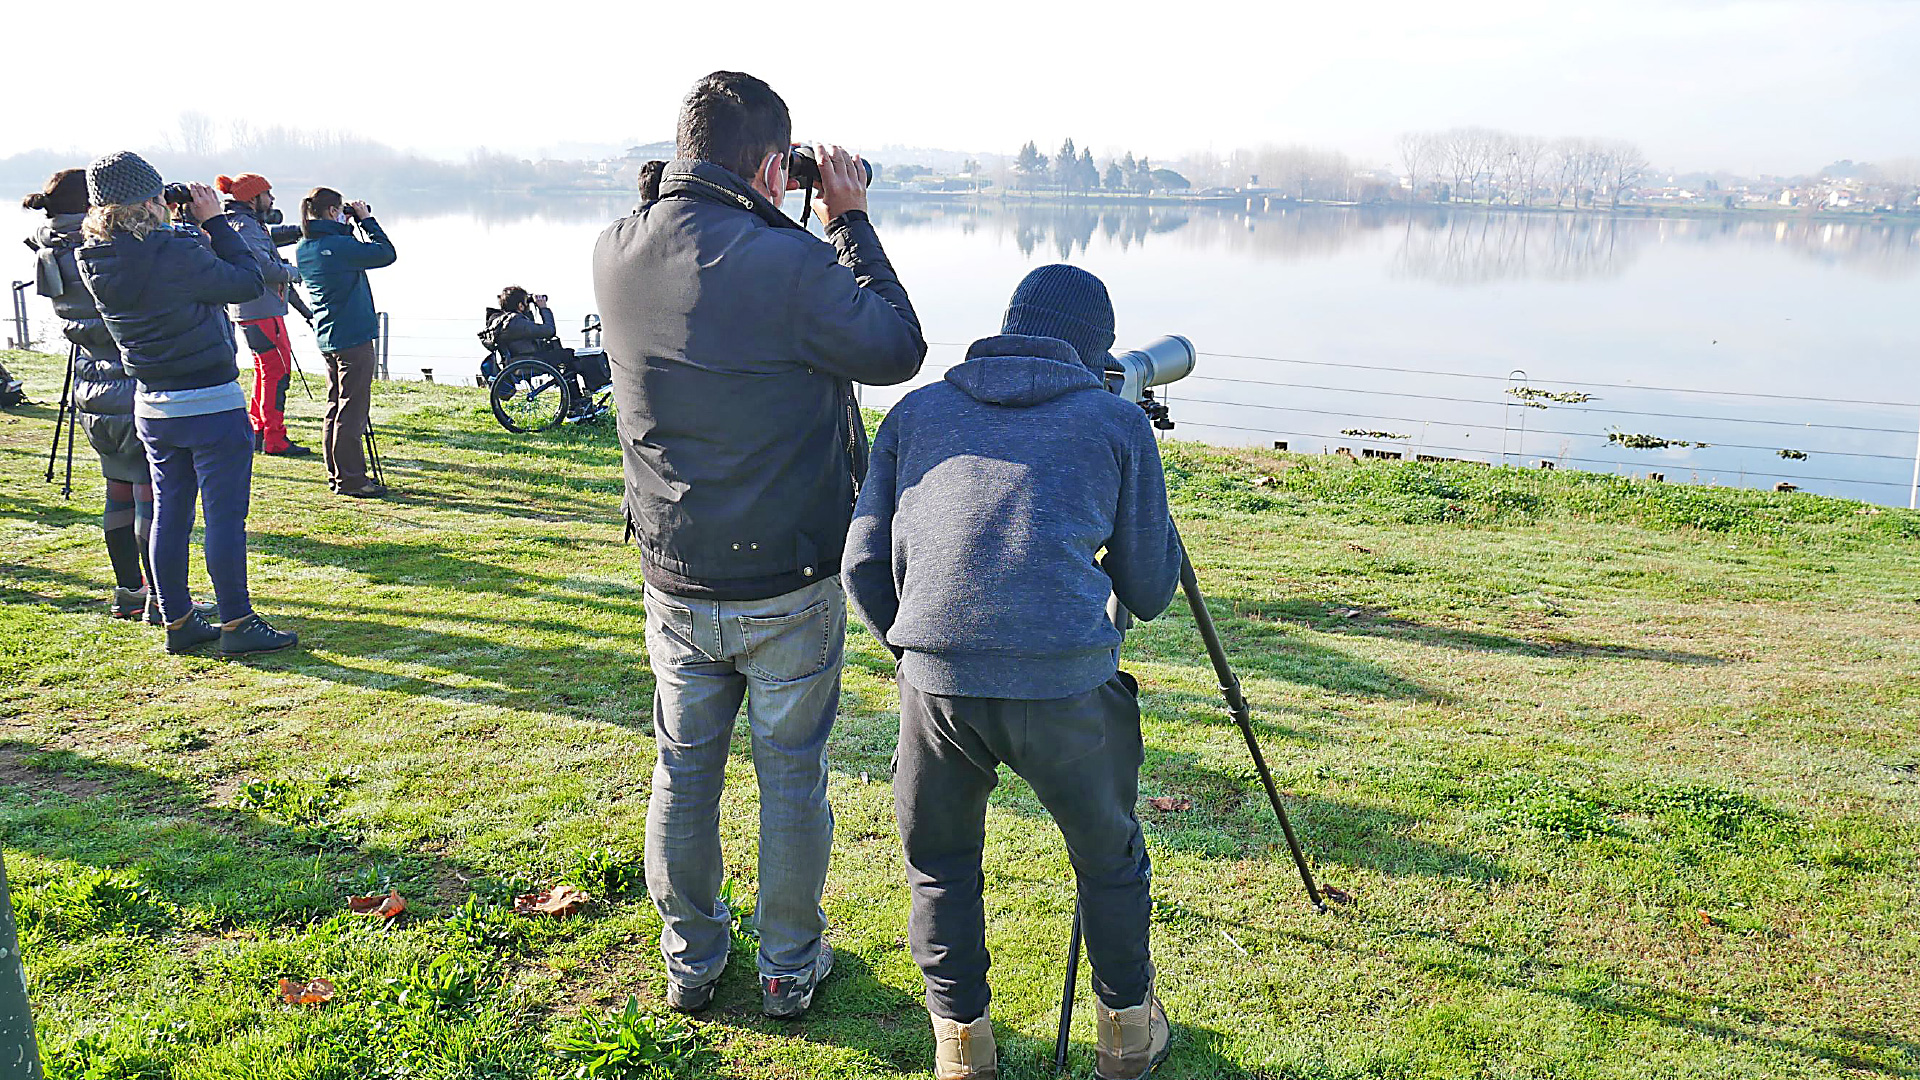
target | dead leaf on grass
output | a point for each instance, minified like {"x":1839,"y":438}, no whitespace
{"x":314,"y":992}
{"x":1335,"y":893}
{"x":1351,"y":546}
{"x":1710,"y":919}
{"x":559,"y":902}
{"x":1264,"y":481}
{"x":1172,"y":804}
{"x":385,"y":907}
{"x":1349,"y":612}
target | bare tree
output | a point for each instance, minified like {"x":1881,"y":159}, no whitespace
{"x":196,"y":135}
{"x":1621,"y":165}
{"x":1529,"y":152}
{"x":1417,"y":155}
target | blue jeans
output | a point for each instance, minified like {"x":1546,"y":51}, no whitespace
{"x":208,"y":459}
{"x":782,"y":656}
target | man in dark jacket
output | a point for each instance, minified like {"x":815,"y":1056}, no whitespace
{"x":263,"y":319}
{"x":735,"y":338}
{"x":334,"y":260}
{"x":976,"y":556}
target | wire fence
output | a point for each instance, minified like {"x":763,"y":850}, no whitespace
{"x":1249,"y":397}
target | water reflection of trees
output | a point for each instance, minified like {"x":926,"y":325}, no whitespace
{"x":1473,"y":249}
{"x":1436,"y":244}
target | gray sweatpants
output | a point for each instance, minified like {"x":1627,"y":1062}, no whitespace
{"x":1082,"y":756}
{"x":783,"y":656}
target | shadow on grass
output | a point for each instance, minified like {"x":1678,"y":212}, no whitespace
{"x":1372,"y":622}
{"x":234,"y":867}
{"x":888,"y":1027}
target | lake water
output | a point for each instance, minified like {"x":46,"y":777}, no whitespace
{"x":1751,"y":335}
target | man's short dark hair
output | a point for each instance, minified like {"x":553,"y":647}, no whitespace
{"x":733,"y":120}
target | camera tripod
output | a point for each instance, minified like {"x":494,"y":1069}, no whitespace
{"x":69,"y":415}
{"x":1243,"y":718}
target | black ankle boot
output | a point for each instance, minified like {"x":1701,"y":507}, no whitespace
{"x":253,"y":636}
{"x":190,"y":635}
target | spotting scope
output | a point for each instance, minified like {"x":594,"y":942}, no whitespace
{"x":1135,"y":373}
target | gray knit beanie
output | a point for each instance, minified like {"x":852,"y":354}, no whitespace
{"x":1066,"y":303}
{"x":121,"y":179}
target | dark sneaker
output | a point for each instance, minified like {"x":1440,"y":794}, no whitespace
{"x":259,"y":442}
{"x":371,"y":491}
{"x":292,"y":449}
{"x":129,"y":603}
{"x":206,"y":609}
{"x":788,"y":996}
{"x":691,"y":999}
{"x":254,"y":636}
{"x":192,"y":634}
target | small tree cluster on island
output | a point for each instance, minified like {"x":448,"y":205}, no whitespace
{"x":1074,"y":169}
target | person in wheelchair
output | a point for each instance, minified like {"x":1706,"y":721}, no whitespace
{"x":522,"y":326}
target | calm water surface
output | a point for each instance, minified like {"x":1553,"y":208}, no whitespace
{"x":1299,"y":312}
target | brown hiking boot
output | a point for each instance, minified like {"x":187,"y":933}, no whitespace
{"x":964,"y":1051}
{"x":1133,"y":1042}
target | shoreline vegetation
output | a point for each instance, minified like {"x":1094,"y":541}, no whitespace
{"x":1615,"y":780}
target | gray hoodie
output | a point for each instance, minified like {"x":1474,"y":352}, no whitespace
{"x":275,"y":271}
{"x":975,"y":552}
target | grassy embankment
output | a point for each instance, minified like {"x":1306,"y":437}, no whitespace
{"x":1620,"y":778}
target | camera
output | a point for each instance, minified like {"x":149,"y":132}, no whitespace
{"x":1134,"y":374}
{"x":805,"y":170}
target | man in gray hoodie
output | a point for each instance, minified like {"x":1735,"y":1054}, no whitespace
{"x":976,"y":556}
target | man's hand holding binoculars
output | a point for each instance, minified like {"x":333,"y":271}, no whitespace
{"x":843,"y":183}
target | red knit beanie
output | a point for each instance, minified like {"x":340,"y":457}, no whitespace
{"x":243,"y":187}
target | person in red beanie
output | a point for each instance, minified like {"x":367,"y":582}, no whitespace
{"x":263,"y":319}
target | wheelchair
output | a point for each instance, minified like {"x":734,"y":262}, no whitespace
{"x":538,"y":392}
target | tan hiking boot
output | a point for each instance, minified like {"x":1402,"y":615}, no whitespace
{"x":1132,"y":1041}
{"x":964,"y":1051}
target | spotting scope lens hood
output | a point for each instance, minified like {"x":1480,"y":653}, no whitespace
{"x":1165,"y":359}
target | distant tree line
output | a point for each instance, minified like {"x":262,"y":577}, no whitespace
{"x":1476,"y":164}
{"x":1072,"y":169}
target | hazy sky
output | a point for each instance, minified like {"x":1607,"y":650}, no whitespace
{"x":1778,"y":86}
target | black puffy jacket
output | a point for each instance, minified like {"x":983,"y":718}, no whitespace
{"x":100,"y":384}
{"x":735,"y":338}
{"x":515,"y":333}
{"x":164,"y":298}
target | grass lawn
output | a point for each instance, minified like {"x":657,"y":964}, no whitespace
{"x":1619,"y":780}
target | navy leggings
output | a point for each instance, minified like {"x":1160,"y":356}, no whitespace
{"x":208,"y":458}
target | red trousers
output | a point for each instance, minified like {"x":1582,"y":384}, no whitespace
{"x":272,"y":367}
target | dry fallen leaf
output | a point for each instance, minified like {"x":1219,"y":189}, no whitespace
{"x":1351,"y":546}
{"x":385,"y":907}
{"x":559,"y":902}
{"x":1264,"y":481}
{"x":1170,"y":803}
{"x":1335,"y":894}
{"x":1349,"y":612}
{"x":1710,"y":920}
{"x":316,"y":992}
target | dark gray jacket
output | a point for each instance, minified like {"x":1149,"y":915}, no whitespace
{"x":976,"y":548}
{"x":514,"y":334}
{"x":275,"y":272}
{"x":735,"y":337}
{"x":100,"y":385}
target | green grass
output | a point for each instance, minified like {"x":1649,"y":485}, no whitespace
{"x":1620,"y":778}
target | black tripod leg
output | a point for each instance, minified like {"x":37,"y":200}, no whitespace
{"x":66,"y":399}
{"x":73,"y":421}
{"x":1243,"y":716}
{"x":1066,"y":995}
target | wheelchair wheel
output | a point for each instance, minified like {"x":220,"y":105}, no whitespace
{"x":531,"y":395}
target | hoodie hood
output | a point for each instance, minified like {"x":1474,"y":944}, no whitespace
{"x":1020,"y":371}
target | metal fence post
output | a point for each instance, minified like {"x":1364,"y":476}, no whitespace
{"x":22,"y":333}
{"x":386,"y":339}
{"x":19,"y":1054}
{"x":1913,"y":491}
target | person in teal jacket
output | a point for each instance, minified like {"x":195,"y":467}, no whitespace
{"x":334,"y":259}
